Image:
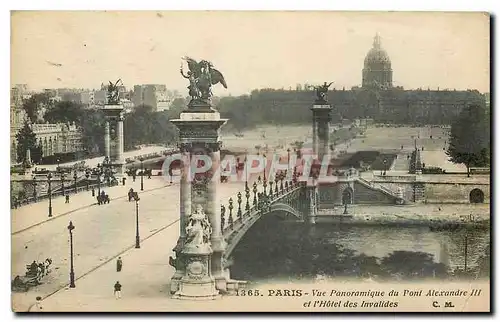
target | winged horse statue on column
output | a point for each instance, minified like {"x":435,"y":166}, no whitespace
{"x":201,"y":75}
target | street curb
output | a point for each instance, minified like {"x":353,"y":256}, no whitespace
{"x":75,"y":210}
{"x":106,"y":261}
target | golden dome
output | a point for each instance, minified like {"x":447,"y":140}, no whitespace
{"x":377,"y":55}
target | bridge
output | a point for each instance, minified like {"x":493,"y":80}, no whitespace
{"x":209,"y":231}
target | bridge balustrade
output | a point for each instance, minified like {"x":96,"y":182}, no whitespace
{"x":261,"y":204}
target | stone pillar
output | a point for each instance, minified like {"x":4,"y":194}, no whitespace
{"x":114,"y":150}
{"x":312,"y":196}
{"x":185,"y":211}
{"x":199,"y":135}
{"x":315,"y":136}
{"x":107,"y":140}
{"x":120,"y":160}
{"x":321,"y":129}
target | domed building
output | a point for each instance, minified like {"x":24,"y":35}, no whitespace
{"x":377,"y":71}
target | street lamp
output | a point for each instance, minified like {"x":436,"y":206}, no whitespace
{"x":264,"y":182}
{"x":58,"y":164}
{"x":62,"y":184}
{"x":246,"y":173}
{"x":71,"y":272}
{"x":75,"y":177}
{"x":385,"y":167}
{"x":49,"y":177}
{"x":34,"y":188}
{"x":99,"y":173}
{"x":137,"y":239}
{"x":288,"y":152}
{"x":87,"y":175}
{"x":142,"y":174}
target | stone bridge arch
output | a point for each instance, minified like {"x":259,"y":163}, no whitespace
{"x":274,"y":210}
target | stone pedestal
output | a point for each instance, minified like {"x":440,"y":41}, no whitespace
{"x":197,"y":283}
{"x":199,"y":129}
{"x":114,"y":119}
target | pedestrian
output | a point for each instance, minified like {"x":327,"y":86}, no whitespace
{"x":38,"y":303}
{"x":93,"y":192}
{"x":123,"y":181}
{"x":118,"y":290}
{"x":67,"y":198}
{"x":119,"y":264}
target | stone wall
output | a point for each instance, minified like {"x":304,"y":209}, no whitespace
{"x":450,"y":192}
{"x":328,"y":196}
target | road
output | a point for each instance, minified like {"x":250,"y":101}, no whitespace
{"x":101,"y":233}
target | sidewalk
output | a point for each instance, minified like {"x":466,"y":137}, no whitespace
{"x":102,"y":232}
{"x":36,"y":213}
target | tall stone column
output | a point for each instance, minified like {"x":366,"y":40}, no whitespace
{"x":185,"y":211}
{"x":114,"y":150}
{"x":195,"y":266}
{"x":107,"y":140}
{"x":312,"y":192}
{"x":217,"y":240}
{"x":120,"y":160}
{"x":321,"y":124}
{"x":315,"y":135}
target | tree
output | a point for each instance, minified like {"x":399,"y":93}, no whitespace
{"x":63,"y":112}
{"x":26,"y":139}
{"x":412,"y":264}
{"x":33,"y":104}
{"x":470,"y":138}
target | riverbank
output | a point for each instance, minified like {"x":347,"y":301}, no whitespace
{"x":469,"y":214}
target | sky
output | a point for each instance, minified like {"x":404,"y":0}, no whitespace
{"x":253,"y":50}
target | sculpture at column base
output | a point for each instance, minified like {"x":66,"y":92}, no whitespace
{"x":197,"y":283}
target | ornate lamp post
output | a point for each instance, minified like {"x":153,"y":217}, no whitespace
{"x":137,"y":238}
{"x":49,"y":178}
{"x":288,"y":167}
{"x":87,"y":176}
{"x":71,"y":272}
{"x":255,"y":193}
{"x":75,"y":177}
{"x":62,"y":184}
{"x":264,"y":182}
{"x":142,"y":174}
{"x":99,"y":173}
{"x":34,"y":188}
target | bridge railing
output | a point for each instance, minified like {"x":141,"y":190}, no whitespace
{"x":233,"y":217}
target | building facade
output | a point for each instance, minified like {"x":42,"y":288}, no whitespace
{"x":149,"y":94}
{"x":54,"y":139}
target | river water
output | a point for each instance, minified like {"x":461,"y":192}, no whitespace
{"x":275,"y":248}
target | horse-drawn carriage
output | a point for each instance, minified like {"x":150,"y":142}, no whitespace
{"x":33,"y":276}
